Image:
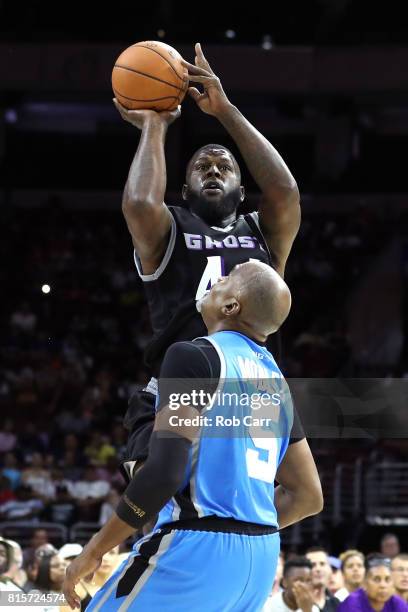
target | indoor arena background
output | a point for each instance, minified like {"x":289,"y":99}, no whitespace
{"x":327,"y":84}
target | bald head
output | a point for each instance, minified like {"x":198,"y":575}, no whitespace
{"x":253,"y":299}
{"x":264,"y":297}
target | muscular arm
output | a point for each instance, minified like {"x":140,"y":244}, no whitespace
{"x":299,"y":493}
{"x":279,"y":210}
{"x":146,"y":214}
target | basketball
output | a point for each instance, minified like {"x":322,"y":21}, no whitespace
{"x":150,"y":75}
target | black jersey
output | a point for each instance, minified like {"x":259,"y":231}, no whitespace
{"x":196,"y":256}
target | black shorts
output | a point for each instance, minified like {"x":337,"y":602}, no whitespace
{"x":139,"y":421}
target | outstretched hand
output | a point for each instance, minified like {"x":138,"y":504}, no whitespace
{"x":139,"y":118}
{"x":213,"y":99}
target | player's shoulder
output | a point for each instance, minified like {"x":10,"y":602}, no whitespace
{"x":188,"y":347}
{"x":189,"y":359}
{"x":184,"y":347}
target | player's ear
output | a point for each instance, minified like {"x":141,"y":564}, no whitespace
{"x":242,"y":189}
{"x":231,"y":308}
{"x":184,"y":192}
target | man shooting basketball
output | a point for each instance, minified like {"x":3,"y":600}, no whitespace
{"x":181,"y":252}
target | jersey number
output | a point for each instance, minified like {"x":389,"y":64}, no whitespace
{"x":262,"y":468}
{"x":212,"y":272}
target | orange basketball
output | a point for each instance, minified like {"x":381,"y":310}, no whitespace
{"x":150,"y":74}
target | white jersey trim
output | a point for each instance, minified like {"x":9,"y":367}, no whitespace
{"x":164,"y":546}
{"x":146,"y":278}
{"x":223,"y":369}
{"x":115,"y":583}
{"x":255,"y":216}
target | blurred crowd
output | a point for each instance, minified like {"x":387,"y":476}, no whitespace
{"x":351,"y":582}
{"x":316,"y":581}
{"x":74,"y":326}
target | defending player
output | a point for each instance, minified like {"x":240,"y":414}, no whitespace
{"x":216,"y":543}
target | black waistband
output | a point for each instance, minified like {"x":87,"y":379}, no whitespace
{"x":221,"y":524}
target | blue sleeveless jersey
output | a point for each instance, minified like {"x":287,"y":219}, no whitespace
{"x":244,"y":435}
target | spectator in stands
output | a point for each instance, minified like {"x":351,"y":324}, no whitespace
{"x":38,"y":538}
{"x":38,"y":478}
{"x":63,"y":508}
{"x":15,"y":571}
{"x":71,"y":469}
{"x":50,"y":571}
{"x":353,"y":570}
{"x":6,"y":560}
{"x":376,"y":595}
{"x":58,"y":480}
{"x":99,"y":450}
{"x":11,"y":470}
{"x":25,"y":507}
{"x":8,"y":437}
{"x":321,"y":573}
{"x":336,"y":581}
{"x":6,"y":492}
{"x":108,"y":507}
{"x":399,"y":571}
{"x":71,"y":443}
{"x":70,"y":551}
{"x":89,"y":494}
{"x":67,"y":420}
{"x":111,"y":473}
{"x":297,"y":589}
{"x":389,"y":545}
{"x":31,"y":441}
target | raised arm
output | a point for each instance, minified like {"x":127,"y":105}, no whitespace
{"x":279,"y":209}
{"x":299,"y":493}
{"x":146,"y":214}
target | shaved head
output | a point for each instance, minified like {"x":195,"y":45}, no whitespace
{"x":264,"y":296}
{"x":253,"y":300}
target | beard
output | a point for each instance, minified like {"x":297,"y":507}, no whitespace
{"x":215,"y":211}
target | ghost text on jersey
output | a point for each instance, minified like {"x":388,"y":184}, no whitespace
{"x":199,"y":242}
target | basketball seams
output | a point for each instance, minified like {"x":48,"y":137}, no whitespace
{"x":182,"y":91}
{"x":147,"y":75}
{"x":117,"y":92}
{"x":162,"y":56}
{"x":167,"y":102}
